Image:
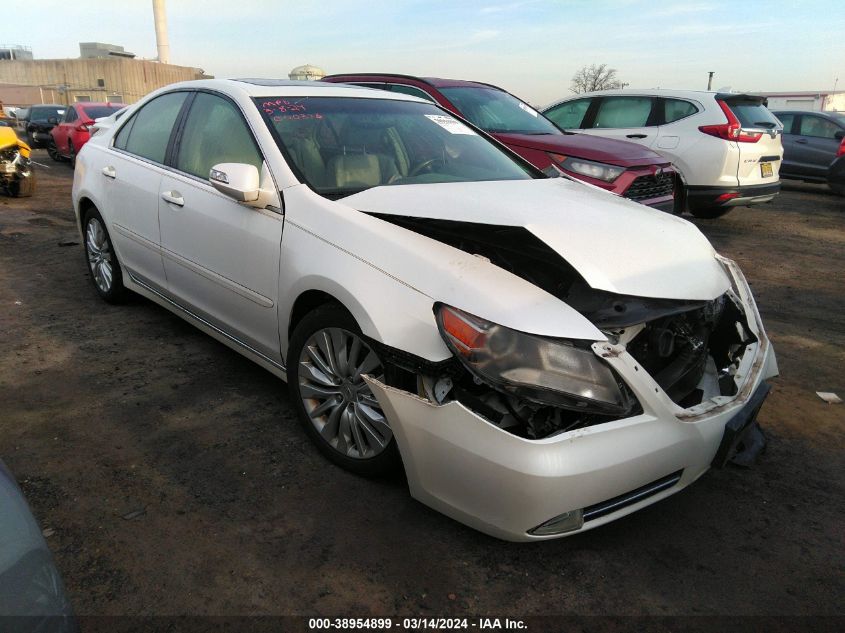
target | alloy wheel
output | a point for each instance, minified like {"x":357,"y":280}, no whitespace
{"x":338,"y":402}
{"x":99,"y":253}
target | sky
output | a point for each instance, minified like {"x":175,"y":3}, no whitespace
{"x":530,"y":47}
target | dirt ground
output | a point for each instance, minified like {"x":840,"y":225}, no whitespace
{"x":177,"y":481}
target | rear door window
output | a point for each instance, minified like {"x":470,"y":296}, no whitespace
{"x":677,"y":109}
{"x":623,"y":112}
{"x":569,"y":115}
{"x":818,"y":127}
{"x":148,"y":132}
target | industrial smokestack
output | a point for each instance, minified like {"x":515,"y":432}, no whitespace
{"x":160,"y":18}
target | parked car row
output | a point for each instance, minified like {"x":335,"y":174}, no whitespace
{"x":727,"y":146}
{"x":540,"y":356}
{"x":73,"y":130}
{"x":61,"y":130}
{"x":623,"y":168}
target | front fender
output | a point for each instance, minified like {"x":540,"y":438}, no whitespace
{"x":385,"y":309}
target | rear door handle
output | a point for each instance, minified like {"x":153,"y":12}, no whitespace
{"x":173,"y":197}
{"x":801,"y":141}
{"x":109,"y":172}
{"x":636,"y":135}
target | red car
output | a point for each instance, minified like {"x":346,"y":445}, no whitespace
{"x":73,"y":131}
{"x":626,"y":169}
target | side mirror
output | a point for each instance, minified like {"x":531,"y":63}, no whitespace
{"x":52,"y":120}
{"x":839,"y":135}
{"x":236,"y":180}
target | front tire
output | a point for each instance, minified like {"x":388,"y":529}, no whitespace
{"x":102,"y":260}
{"x":327,"y":357}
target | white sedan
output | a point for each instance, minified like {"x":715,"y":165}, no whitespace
{"x":540,"y":356}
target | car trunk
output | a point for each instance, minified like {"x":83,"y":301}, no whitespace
{"x":760,"y":159}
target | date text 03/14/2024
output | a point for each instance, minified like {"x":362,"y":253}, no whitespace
{"x":416,"y":624}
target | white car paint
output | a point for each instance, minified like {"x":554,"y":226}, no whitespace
{"x":680,"y":263}
{"x":236,"y":272}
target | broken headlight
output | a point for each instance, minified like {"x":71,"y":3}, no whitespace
{"x":549,"y":371}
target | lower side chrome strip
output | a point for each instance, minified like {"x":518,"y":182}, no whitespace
{"x":193,"y":315}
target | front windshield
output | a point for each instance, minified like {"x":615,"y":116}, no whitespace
{"x":343,"y":145}
{"x":498,"y":112}
{"x":43,"y":114}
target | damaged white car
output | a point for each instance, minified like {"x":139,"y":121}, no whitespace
{"x":540,"y":356}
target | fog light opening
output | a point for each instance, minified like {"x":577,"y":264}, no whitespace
{"x":566,"y":522}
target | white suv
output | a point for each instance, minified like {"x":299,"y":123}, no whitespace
{"x":726,"y":146}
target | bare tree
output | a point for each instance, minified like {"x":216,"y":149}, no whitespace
{"x":595,"y":77}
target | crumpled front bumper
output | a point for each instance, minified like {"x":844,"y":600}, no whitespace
{"x":504,"y":485}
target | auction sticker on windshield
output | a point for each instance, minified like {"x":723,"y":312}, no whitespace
{"x":449,"y":124}
{"x":528,"y":109}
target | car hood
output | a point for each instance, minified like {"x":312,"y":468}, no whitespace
{"x":614,"y":244}
{"x":605,"y":150}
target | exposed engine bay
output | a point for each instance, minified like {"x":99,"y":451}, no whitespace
{"x":692,"y":349}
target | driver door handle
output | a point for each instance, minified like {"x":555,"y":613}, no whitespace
{"x":801,"y":141}
{"x":636,"y":135}
{"x":109,"y":172}
{"x":173,"y":197}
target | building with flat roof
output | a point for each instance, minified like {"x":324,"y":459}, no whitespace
{"x":109,"y":78}
{"x":812,"y":100}
{"x":15,"y":52}
{"x":92,"y":50}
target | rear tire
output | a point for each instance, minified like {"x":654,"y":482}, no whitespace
{"x":105,"y":270}
{"x":53,"y":152}
{"x":837,"y":189}
{"x":326,"y":358}
{"x":71,"y":151}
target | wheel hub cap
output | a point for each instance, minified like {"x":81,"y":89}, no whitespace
{"x":340,"y":404}
{"x":99,"y":254}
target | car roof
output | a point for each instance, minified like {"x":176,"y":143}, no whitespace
{"x":657,"y":92}
{"x":257,"y":87}
{"x":435,"y":82}
{"x":660,"y":92}
{"x":830,"y":115}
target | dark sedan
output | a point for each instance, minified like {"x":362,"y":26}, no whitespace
{"x":42,"y":119}
{"x":811,"y":142}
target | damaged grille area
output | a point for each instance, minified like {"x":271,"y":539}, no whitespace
{"x":694,"y":355}
{"x":692,"y":349}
